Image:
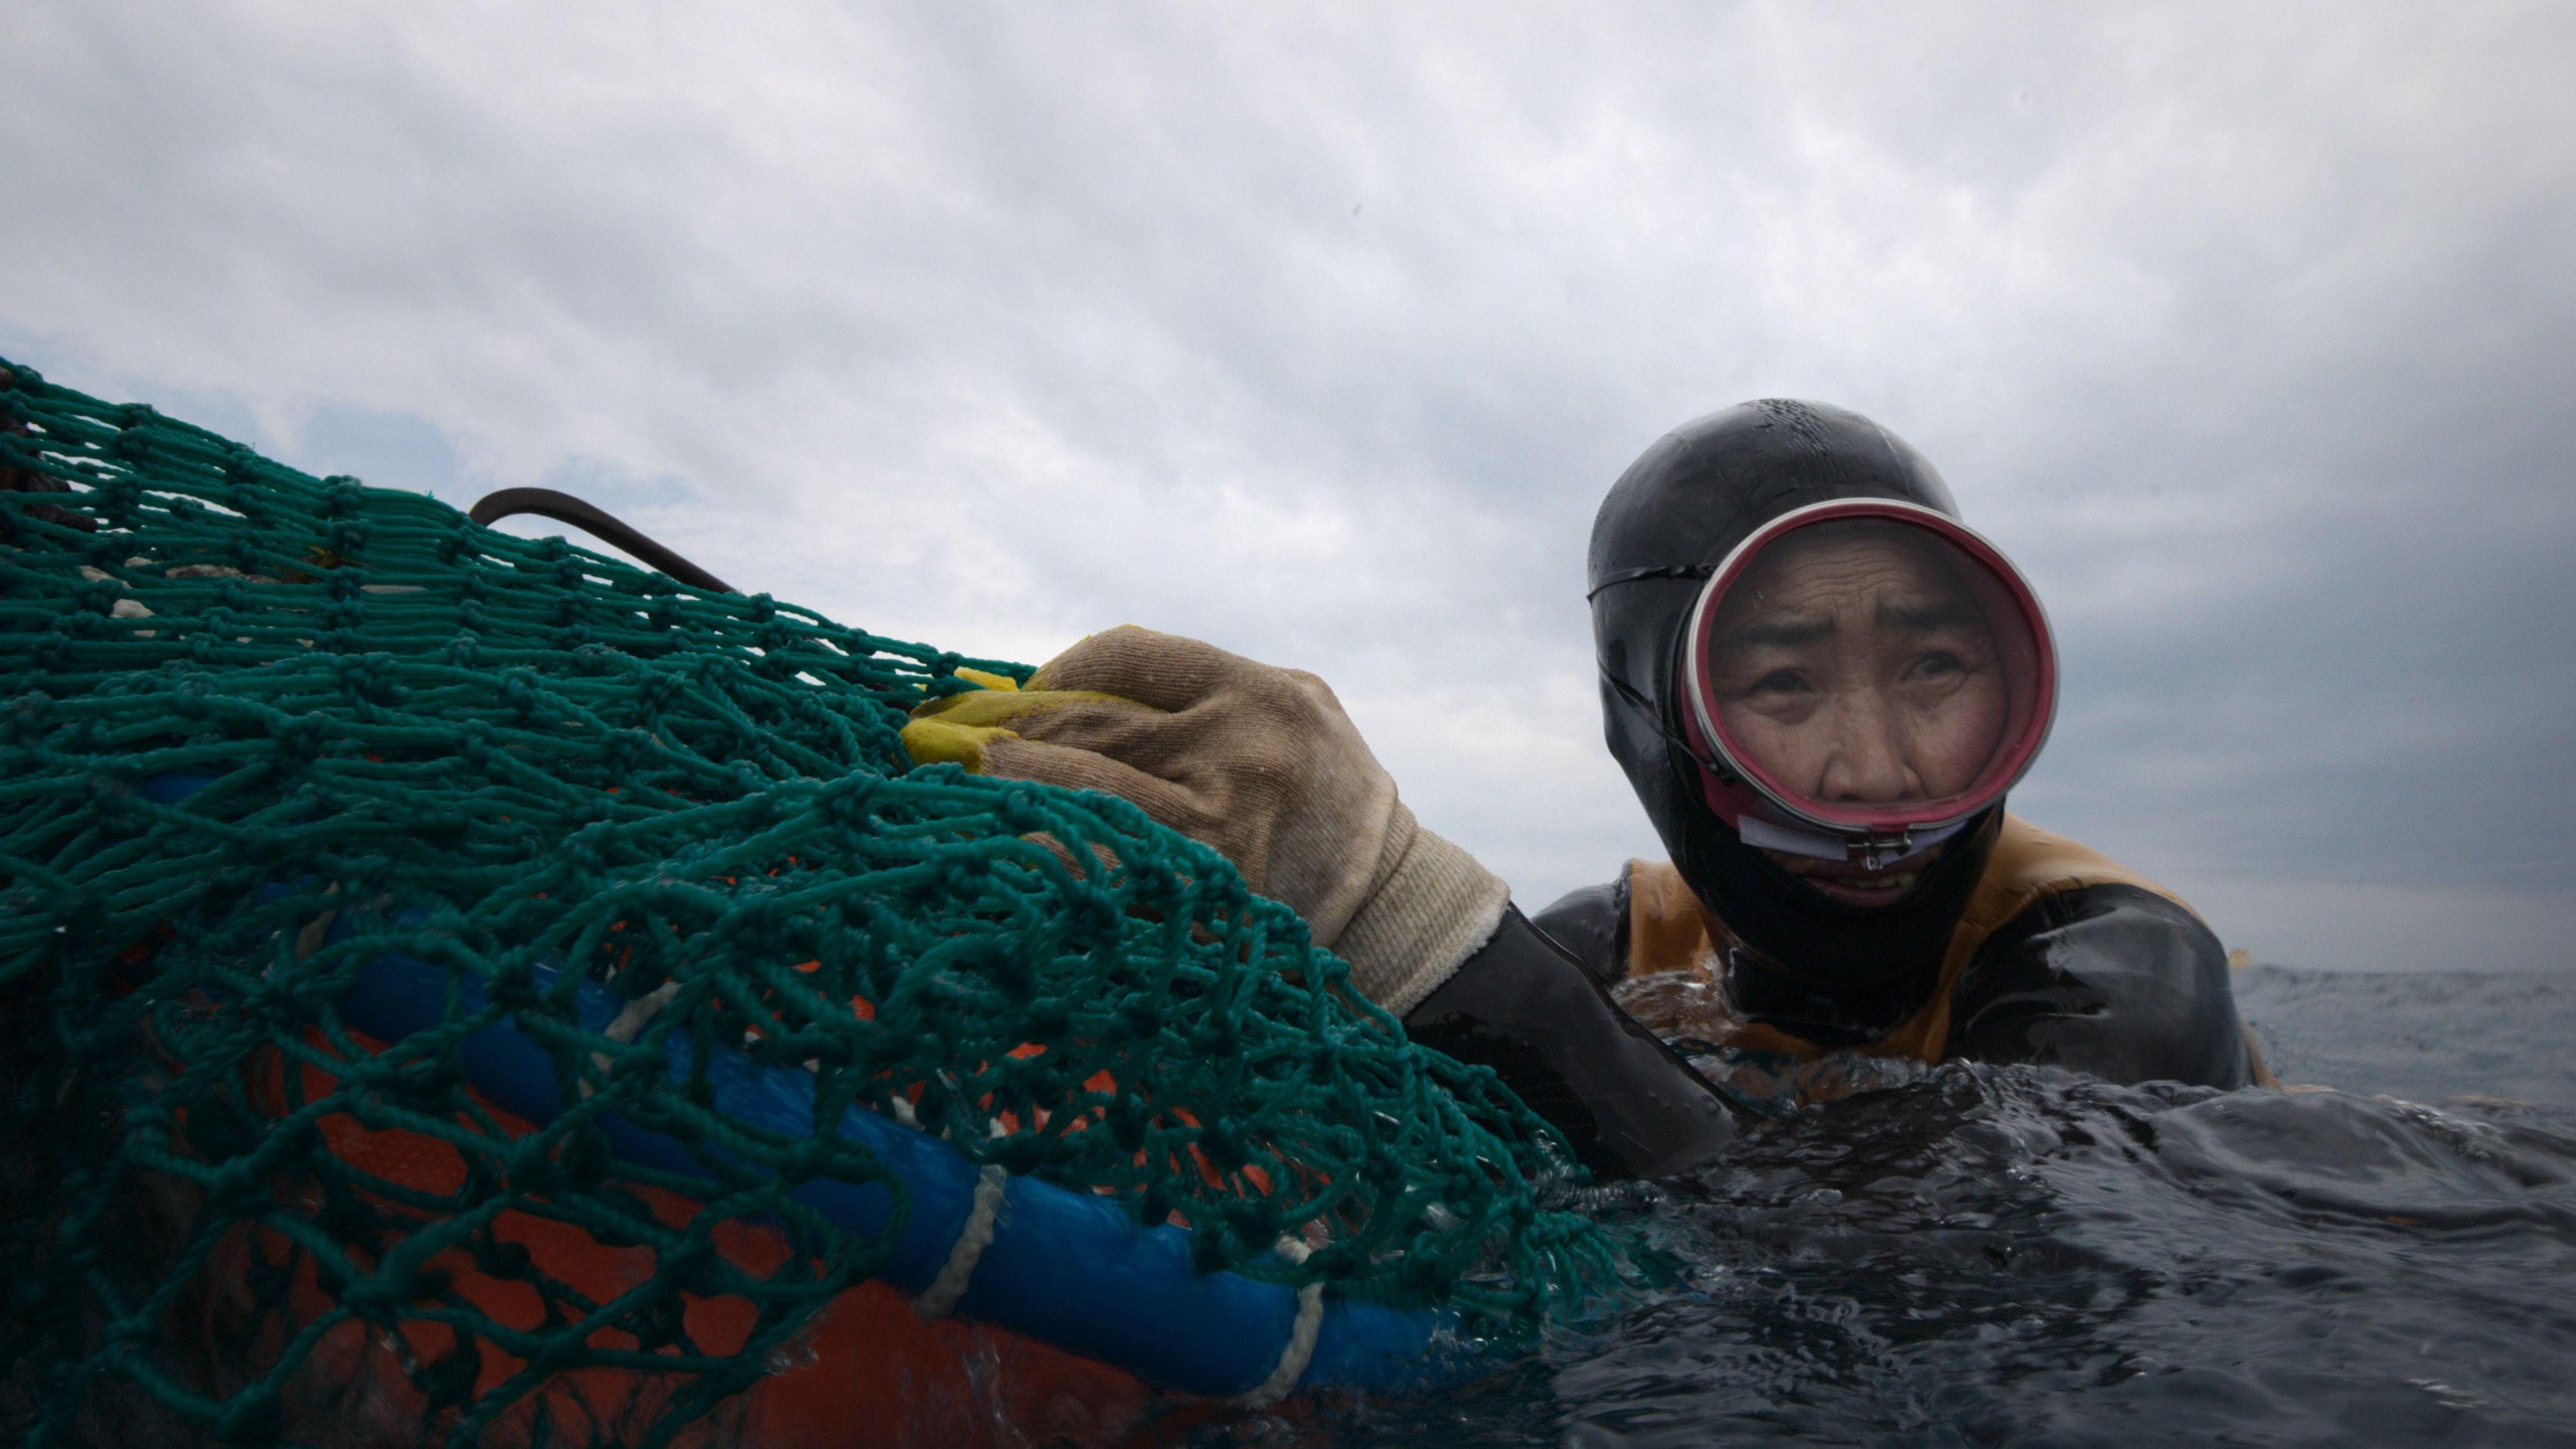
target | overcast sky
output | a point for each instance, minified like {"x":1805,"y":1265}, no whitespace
{"x":1319,"y":331}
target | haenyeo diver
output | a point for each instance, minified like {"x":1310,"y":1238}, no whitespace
{"x":1821,"y":685}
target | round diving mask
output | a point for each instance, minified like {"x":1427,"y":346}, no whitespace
{"x":1864,"y":676}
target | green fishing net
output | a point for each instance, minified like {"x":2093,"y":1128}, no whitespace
{"x":258,"y":729}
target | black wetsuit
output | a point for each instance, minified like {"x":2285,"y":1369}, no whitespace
{"x":2061,"y":959}
{"x":2062,"y":967}
{"x":1628,"y":1105}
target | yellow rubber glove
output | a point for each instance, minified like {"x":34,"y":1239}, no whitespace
{"x":955,"y":730}
{"x":1260,"y":764}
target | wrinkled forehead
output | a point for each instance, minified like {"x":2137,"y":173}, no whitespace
{"x":1864,"y":572}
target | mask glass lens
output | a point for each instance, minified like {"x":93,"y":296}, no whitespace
{"x":1874,"y":671}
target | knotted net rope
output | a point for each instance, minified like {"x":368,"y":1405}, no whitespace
{"x":531,"y":765}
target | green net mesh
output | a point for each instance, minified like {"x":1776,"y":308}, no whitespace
{"x":527,"y":763}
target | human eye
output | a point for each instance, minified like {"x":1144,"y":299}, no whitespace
{"x":1936,"y":664}
{"x":1780,"y":683}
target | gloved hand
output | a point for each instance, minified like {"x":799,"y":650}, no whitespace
{"x":1260,"y":764}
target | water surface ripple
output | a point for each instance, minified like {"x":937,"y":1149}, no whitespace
{"x":2022,"y":1256}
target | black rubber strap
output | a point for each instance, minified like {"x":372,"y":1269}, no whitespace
{"x":599,"y":523}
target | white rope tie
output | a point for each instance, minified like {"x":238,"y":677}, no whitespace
{"x":1301,"y":1339}
{"x":628,"y":1024}
{"x":972,"y":1240}
{"x":640,"y":1012}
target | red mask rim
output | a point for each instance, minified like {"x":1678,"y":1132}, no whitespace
{"x":1739,"y":790}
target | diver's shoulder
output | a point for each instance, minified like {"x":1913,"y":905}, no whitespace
{"x":2068,"y":957}
{"x":2030,"y":863}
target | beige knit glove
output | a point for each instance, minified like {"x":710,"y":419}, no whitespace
{"x":1259,"y":763}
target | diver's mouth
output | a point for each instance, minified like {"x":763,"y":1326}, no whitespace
{"x":1850,"y":883}
{"x":1880,"y":890}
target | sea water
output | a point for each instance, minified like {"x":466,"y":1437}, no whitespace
{"x":2020,"y":1256}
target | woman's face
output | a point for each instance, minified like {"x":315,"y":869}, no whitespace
{"x":1852,"y":665}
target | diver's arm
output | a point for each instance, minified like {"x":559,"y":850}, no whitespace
{"x":1526,"y":1007}
{"x":1262,"y":765}
{"x":2111,"y":980}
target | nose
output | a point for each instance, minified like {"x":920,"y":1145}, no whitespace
{"x":1867,"y":763}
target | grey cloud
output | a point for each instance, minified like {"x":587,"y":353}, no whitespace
{"x":1319,"y":333}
